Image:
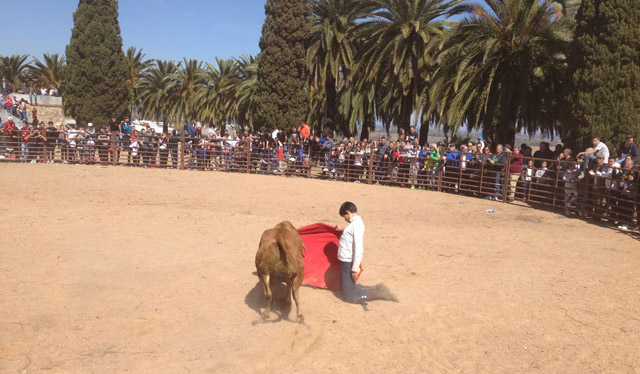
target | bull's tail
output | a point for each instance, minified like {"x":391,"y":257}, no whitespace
{"x":286,"y":253}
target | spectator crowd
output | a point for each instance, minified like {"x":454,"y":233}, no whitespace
{"x":593,"y":182}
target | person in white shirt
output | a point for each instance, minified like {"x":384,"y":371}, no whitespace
{"x":350,"y":252}
{"x":591,"y":154}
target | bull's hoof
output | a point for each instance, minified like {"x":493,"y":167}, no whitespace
{"x":265,"y":314}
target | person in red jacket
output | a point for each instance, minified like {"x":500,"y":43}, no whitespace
{"x":515,"y":170}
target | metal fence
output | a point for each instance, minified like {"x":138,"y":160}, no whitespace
{"x":612,"y":197}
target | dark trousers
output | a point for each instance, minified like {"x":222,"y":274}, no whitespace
{"x":353,"y":292}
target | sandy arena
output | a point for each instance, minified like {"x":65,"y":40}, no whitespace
{"x":115,"y":269}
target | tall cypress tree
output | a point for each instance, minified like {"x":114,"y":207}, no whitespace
{"x":96,"y":73}
{"x":281,"y":98}
{"x":604,"y":92}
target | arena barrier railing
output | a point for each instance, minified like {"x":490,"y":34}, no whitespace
{"x":611,"y":197}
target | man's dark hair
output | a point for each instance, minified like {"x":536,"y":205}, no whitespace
{"x":348,"y":206}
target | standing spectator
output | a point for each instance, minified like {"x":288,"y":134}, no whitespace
{"x":26,"y":137}
{"x":34,"y":115}
{"x":569,"y":177}
{"x":52,"y":135}
{"x":412,"y":134}
{"x":90,"y":143}
{"x":33,"y":95}
{"x":153,"y":146}
{"x":64,"y":145}
{"x":145,"y":142}
{"x":544,"y":153}
{"x":126,"y":128}
{"x":527,"y":176}
{"x":103,"y":141}
{"x":134,"y":145}
{"x":173,"y":142}
{"x":497,"y":165}
{"x":628,"y":148}
{"x":163,"y":148}
{"x":558,"y":151}
{"x":327,"y":149}
{"x":24,"y":113}
{"x":115,"y":129}
{"x":4,"y":86}
{"x":515,"y":169}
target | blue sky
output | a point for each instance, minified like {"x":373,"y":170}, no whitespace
{"x":164,"y":29}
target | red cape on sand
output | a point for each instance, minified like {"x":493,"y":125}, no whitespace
{"x":321,"y":265}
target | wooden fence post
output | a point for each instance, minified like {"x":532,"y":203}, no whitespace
{"x":372,"y":154}
{"x":114,"y":147}
{"x":181,"y":150}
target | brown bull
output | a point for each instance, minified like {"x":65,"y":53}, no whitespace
{"x":280,"y":252}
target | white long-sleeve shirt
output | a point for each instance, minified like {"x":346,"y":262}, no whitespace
{"x":350,"y":246}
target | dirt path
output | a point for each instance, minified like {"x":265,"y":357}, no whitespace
{"x":109,"y":270}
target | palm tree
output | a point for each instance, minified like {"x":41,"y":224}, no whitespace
{"x":244,"y":90}
{"x":13,"y":69}
{"x":503,"y":67}
{"x":47,"y":73}
{"x":330,"y":54}
{"x":184,"y":85}
{"x":214,"y":100}
{"x":153,"y":90}
{"x":136,"y":64}
{"x":400,"y":38}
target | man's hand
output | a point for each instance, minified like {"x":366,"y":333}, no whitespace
{"x":354,"y":276}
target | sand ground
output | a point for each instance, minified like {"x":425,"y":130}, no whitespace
{"x":113,"y":270}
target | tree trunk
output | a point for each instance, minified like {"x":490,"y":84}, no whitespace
{"x":165,"y":126}
{"x":330,"y":106}
{"x":424,"y":133}
{"x":505,"y":132}
{"x":406,"y":108}
{"x":366,"y":129}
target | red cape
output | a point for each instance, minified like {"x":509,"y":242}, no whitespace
{"x":321,"y":265}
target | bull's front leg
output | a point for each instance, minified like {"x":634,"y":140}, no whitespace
{"x":296,"y":288}
{"x":264,"y":279}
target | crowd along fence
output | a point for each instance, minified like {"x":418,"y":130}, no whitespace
{"x":608,"y":197}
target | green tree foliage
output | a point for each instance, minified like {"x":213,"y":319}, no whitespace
{"x":153,"y":90}
{"x":281,"y":97}
{"x":14,"y":69}
{"x":400,"y":38}
{"x":48,"y":72}
{"x":502,"y":68}
{"x":331,"y":53}
{"x":95,"y":85}
{"x":604,"y":99}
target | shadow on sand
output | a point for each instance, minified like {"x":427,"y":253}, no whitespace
{"x":255,"y":300}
